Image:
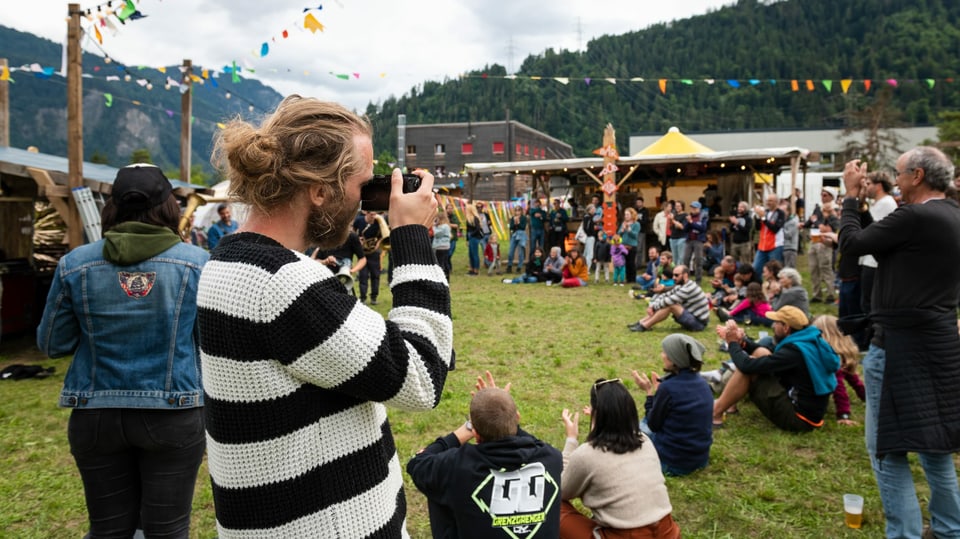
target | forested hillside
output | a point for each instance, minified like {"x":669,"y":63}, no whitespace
{"x":772,"y":43}
{"x":751,"y":53}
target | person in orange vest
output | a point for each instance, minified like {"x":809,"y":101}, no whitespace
{"x":769,"y":221}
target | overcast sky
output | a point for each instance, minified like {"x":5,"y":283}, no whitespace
{"x":393,"y":45}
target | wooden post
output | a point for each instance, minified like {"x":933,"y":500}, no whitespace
{"x":4,"y":108}
{"x":794,"y":168}
{"x":186,"y":113}
{"x":74,"y":123}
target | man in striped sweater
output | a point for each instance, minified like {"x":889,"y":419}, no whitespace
{"x":685,"y":301}
{"x":297,"y":373}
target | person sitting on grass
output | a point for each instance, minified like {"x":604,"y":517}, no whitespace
{"x":616,"y":473}
{"x":679,"y":407}
{"x":553,"y":267}
{"x":687,"y":303}
{"x":720,"y":288}
{"x":575,"y":271}
{"x":649,"y":277}
{"x":790,"y":291}
{"x":849,"y":354}
{"x":771,"y":275}
{"x":664,"y":281}
{"x":534,"y":271}
{"x":792,"y":385}
{"x":751,"y":310}
{"x":467,"y":485}
{"x":735,"y":293}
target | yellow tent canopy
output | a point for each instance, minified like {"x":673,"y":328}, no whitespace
{"x":674,"y":143}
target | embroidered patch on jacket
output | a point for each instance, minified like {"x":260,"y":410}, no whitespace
{"x":137,"y":284}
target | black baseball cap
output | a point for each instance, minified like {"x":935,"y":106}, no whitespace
{"x":140,"y":187}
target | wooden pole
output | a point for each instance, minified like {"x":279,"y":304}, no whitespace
{"x":186,"y":114}
{"x":74,"y":123}
{"x":4,"y":108}
{"x":609,"y":186}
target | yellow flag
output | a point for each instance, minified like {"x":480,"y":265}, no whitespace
{"x":311,"y":23}
{"x":5,"y":73}
{"x":845,"y":84}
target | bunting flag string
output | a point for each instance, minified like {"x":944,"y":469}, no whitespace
{"x":109,"y":100}
{"x":795,"y":84}
{"x":309,"y":22}
{"x":104,"y":15}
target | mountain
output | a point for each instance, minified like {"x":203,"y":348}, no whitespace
{"x":38,"y":106}
{"x":780,"y":41}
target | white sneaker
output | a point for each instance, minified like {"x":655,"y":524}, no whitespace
{"x":507,"y":281}
{"x":549,"y":283}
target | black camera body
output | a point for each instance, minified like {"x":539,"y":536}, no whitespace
{"x":375,"y":194}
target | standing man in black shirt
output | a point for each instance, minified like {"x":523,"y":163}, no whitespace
{"x":643,"y":219}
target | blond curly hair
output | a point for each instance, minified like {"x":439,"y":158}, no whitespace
{"x":304,"y":142}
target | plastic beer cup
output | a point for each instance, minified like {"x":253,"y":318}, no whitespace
{"x":853,"y":510}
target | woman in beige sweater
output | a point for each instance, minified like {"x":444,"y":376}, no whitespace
{"x":616,"y":473}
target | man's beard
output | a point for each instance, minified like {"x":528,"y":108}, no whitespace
{"x":327,"y":231}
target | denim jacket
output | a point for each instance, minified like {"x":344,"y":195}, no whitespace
{"x":132,"y":329}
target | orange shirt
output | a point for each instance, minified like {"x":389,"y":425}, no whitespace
{"x":578,"y":268}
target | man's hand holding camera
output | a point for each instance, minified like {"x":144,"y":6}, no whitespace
{"x":416,"y":208}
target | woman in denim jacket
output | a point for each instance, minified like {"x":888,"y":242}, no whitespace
{"x":125,"y":307}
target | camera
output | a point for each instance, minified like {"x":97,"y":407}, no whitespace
{"x":375,"y":194}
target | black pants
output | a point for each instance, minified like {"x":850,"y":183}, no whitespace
{"x":139,"y":468}
{"x":371,"y":273}
{"x":443,"y":259}
{"x":631,"y":268}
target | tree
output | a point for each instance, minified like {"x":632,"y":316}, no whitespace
{"x":99,"y":157}
{"x":948,"y":131}
{"x":198,"y":176}
{"x":874,"y":122}
{"x":141,"y":155}
{"x":385,"y":163}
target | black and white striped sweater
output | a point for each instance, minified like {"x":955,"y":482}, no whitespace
{"x":296,"y":374}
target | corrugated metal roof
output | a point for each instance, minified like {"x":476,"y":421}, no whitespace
{"x":13,"y":158}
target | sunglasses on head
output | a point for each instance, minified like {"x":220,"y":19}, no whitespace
{"x":602,"y":382}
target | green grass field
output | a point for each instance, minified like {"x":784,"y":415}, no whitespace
{"x":551,"y":344}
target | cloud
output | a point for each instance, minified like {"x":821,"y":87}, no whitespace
{"x":436,"y":40}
